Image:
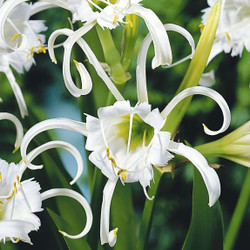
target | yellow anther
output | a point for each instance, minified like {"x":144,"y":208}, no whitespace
{"x":121,"y":170}
{"x":115,"y":19}
{"x":12,"y":193}
{"x":124,"y":176}
{"x":111,"y":158}
{"x":41,"y":50}
{"x":15,"y":37}
{"x":0,"y":177}
{"x":201,"y":26}
{"x":1,"y":202}
{"x":228,"y":37}
{"x":17,"y":240}
{"x":0,"y":211}
{"x":39,"y":39}
{"x":18,"y":179}
{"x":31,"y":52}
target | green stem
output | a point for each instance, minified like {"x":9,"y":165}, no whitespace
{"x":147,"y":216}
{"x":112,"y":56}
{"x":238,"y":215}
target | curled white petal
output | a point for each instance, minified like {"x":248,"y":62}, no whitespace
{"x":199,"y":90}
{"x":208,"y":174}
{"x":105,"y":235}
{"x":60,"y":3}
{"x":85,"y":78}
{"x":17,"y":92}
{"x":55,"y":144}
{"x":142,"y":56}
{"x":91,"y":57}
{"x":5,"y":10}
{"x":74,"y":195}
{"x":17,"y":123}
{"x":40,"y":127}
{"x":41,"y":6}
{"x":163,"y":53}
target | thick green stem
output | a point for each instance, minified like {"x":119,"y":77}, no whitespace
{"x":148,"y":213}
{"x":238,"y":215}
{"x":112,"y":56}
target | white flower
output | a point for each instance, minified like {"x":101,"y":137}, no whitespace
{"x":18,"y":203}
{"x":19,"y":200}
{"x":113,"y":13}
{"x":233,"y":29}
{"x":126,"y":142}
{"x":19,"y":40}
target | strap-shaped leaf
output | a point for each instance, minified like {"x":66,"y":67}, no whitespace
{"x":206,"y":227}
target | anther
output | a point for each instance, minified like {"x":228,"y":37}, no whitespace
{"x":0,"y":177}
{"x":15,"y":37}
{"x":111,"y":158}
{"x":11,"y":195}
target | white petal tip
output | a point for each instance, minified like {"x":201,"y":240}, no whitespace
{"x":113,"y":237}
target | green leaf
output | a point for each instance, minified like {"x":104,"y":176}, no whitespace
{"x":206,"y":227}
{"x":61,"y":223}
{"x":122,"y":213}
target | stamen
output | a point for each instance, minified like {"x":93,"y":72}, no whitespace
{"x":39,"y":39}
{"x":111,"y":158}
{"x":15,"y":36}
{"x":0,"y":177}
{"x":115,"y":19}
{"x":18,"y":180}
{"x":41,"y":49}
{"x":1,"y":202}
{"x":12,"y":193}
{"x":31,"y":52}
{"x":130,"y":131}
{"x":228,"y":37}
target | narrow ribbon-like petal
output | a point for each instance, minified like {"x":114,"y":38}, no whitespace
{"x":199,"y":90}
{"x":17,"y":123}
{"x":208,"y":174}
{"x":55,"y":144}
{"x":17,"y":92}
{"x":163,"y":53}
{"x":5,"y":10}
{"x":105,"y":235}
{"x":91,"y":57}
{"x":40,"y":127}
{"x":74,"y":195}
{"x":142,"y":56}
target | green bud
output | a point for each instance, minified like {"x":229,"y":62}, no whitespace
{"x":234,"y":146}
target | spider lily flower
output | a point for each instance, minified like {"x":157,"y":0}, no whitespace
{"x":233,"y":29}
{"x":126,"y":142}
{"x":234,"y":146}
{"x":19,"y":200}
{"x":20,"y":38}
{"x":114,"y":13}
{"x":18,"y":125}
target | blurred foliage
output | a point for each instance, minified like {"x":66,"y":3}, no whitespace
{"x":173,"y":207}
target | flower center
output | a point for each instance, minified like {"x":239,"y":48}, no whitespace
{"x":136,"y":132}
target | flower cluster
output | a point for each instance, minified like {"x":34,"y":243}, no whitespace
{"x":125,"y":141}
